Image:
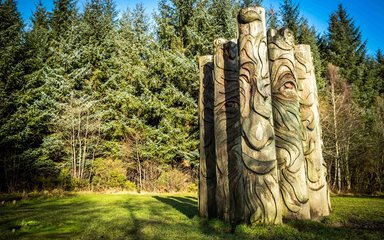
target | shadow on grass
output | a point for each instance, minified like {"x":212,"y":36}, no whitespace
{"x":164,"y":217}
{"x":190,"y":197}
{"x":47,"y":219}
{"x":182,"y":204}
{"x":337,"y":230}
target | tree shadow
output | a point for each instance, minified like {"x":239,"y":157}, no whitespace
{"x":181,"y":204}
{"x":336,"y":230}
{"x":185,"y":199}
{"x":190,"y":197}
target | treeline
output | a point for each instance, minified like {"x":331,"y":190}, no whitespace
{"x":92,"y":101}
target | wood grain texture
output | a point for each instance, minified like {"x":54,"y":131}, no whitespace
{"x":315,"y":165}
{"x":207,"y":167}
{"x":287,"y":123}
{"x":227,"y":128}
{"x":260,"y":137}
{"x":261,"y":188}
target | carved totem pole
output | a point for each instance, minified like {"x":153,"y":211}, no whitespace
{"x":288,"y":128}
{"x":315,"y":165}
{"x":227,"y":127}
{"x":258,"y":141}
{"x":207,"y":173}
{"x":260,"y":136}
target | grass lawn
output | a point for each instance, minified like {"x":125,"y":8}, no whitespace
{"x":155,"y":216}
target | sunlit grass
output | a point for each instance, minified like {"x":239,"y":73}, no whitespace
{"x":151,"y":216}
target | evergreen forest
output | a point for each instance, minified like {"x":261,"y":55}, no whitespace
{"x":93,"y":99}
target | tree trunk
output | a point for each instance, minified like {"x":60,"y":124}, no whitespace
{"x":138,"y":166}
{"x":85,"y":145}
{"x":348,"y":175}
{"x":80,"y":145}
{"x":73,"y":148}
{"x":337,"y":174}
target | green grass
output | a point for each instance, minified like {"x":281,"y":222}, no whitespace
{"x":136,"y":216}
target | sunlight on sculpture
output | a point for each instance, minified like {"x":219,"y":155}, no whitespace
{"x":288,"y":129}
{"x":260,"y":136}
{"x":315,"y":164}
{"x":261,"y":192}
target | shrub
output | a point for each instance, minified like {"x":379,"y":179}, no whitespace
{"x":130,"y":186}
{"x":175,"y":181}
{"x":110,"y":174}
{"x":64,"y":179}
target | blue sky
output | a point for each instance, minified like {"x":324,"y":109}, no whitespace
{"x":368,"y":14}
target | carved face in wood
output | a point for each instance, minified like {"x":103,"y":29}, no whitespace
{"x":255,"y":92}
{"x":253,"y":111}
{"x":259,"y":174}
{"x":288,"y":128}
{"x":285,"y":96}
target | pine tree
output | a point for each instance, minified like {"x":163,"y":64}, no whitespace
{"x":37,"y":40}
{"x":271,"y":18}
{"x":10,"y":47}
{"x":191,"y":26}
{"x":308,"y":36}
{"x":345,"y":47}
{"x":290,"y":16}
{"x":224,"y":14}
{"x":250,"y":3}
{"x":380,"y":72}
{"x":98,"y":39}
{"x":151,"y":86}
{"x":172,"y":20}
{"x":304,"y":34}
{"x":64,"y":12}
{"x":201,"y":31}
{"x":11,"y":81}
{"x":166,"y":27}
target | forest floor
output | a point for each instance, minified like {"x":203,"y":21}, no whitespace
{"x":171,"y":216}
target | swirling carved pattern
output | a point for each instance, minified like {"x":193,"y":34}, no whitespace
{"x":255,"y":167}
{"x":227,"y":129}
{"x":287,"y":124}
{"x":315,"y":164}
{"x":261,"y":188}
{"x":207,"y":171}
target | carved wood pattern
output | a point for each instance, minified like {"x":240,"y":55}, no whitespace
{"x":287,"y":122}
{"x":227,"y":128}
{"x":258,"y":141}
{"x":260,"y":135}
{"x":315,"y":164}
{"x":207,"y":171}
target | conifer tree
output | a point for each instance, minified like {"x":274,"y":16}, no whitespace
{"x":250,"y":3}
{"x":10,"y":46}
{"x":11,"y":80}
{"x":224,"y":14}
{"x":290,"y":16}
{"x":307,"y":35}
{"x":37,"y":40}
{"x":345,"y":47}
{"x":166,"y":30}
{"x":173,"y":18}
{"x":304,"y":34}
{"x":380,"y":72}
{"x":63,"y":13}
{"x":271,"y":18}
